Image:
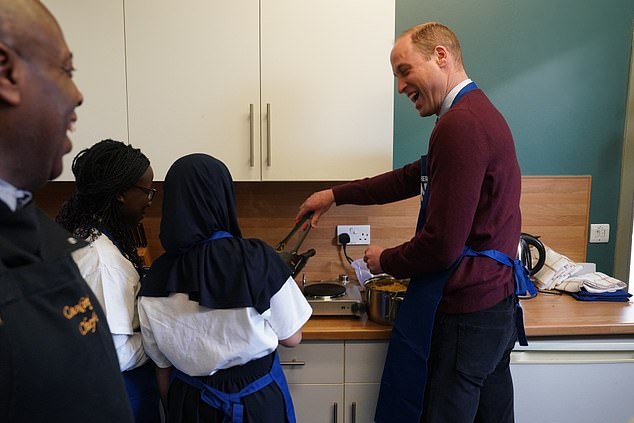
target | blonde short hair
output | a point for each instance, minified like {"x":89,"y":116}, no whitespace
{"x":425,"y":37}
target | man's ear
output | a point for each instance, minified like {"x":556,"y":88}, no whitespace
{"x":9,"y":69}
{"x":441,"y":54}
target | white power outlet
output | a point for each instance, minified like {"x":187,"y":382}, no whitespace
{"x":600,"y":232}
{"x":359,"y":234}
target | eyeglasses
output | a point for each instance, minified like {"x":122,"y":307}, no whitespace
{"x":149,"y":191}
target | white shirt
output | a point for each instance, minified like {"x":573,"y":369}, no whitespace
{"x":446,"y":104}
{"x":115,"y":283}
{"x":200,"y":341}
{"x":10,"y":195}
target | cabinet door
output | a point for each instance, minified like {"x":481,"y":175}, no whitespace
{"x":93,"y":30}
{"x":326,"y":75}
{"x":360,"y":402}
{"x":363,"y":369}
{"x":318,"y":403}
{"x":193,"y":72}
{"x":314,"y":371}
{"x":364,"y":361}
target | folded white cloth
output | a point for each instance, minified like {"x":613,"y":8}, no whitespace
{"x":595,"y":282}
{"x":556,"y":269}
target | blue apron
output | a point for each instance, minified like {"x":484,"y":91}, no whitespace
{"x":402,"y":388}
{"x":403,"y":383}
{"x":230,"y":403}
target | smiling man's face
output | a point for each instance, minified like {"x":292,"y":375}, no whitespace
{"x":421,"y":79}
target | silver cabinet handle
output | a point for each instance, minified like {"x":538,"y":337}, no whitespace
{"x":354,"y":412}
{"x":293,"y":362}
{"x":251,"y":137}
{"x":268,"y":134}
{"x":334,"y":415}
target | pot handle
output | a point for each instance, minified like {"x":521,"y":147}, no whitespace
{"x":535,"y":242}
{"x":385,"y":306}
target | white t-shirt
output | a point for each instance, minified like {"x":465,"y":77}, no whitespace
{"x":200,"y":341}
{"x":115,"y":283}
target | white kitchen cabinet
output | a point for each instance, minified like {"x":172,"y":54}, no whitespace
{"x":314,"y":371}
{"x":193,"y":72}
{"x":360,"y":400}
{"x":334,"y":382}
{"x":315,"y":403}
{"x":327,"y":77}
{"x":362,"y":374}
{"x":277,"y":89}
{"x":93,"y":30}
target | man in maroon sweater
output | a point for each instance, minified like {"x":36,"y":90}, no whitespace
{"x":472,"y":184}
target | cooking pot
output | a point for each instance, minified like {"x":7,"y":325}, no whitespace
{"x":383,"y":297}
{"x":526,"y":254}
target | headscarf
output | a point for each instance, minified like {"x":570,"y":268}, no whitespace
{"x":198,"y":201}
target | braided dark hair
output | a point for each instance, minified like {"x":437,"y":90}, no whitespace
{"x":103,"y":172}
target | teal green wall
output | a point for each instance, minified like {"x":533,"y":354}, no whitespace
{"x":557,"y":70}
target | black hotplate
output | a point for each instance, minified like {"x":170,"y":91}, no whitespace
{"x":324,"y":290}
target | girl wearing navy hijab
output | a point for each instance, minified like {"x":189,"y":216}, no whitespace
{"x":215,"y":306}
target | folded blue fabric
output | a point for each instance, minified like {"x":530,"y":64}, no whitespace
{"x":620,"y":295}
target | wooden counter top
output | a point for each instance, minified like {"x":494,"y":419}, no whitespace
{"x":544,"y":315}
{"x":344,"y":328}
{"x":555,"y":315}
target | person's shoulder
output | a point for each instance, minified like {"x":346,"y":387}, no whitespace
{"x":55,"y":237}
{"x":102,"y":242}
{"x":479,"y":103}
{"x":290,"y":289}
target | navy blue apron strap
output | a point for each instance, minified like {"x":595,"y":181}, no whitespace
{"x":424,"y":193}
{"x":519,"y":323}
{"x":469,"y":87}
{"x":219,"y":402}
{"x":523,"y":284}
{"x":278,"y":376}
{"x":219,"y":235}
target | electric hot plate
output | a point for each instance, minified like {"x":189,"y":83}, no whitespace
{"x":334,"y":299}
{"x":324,"y":290}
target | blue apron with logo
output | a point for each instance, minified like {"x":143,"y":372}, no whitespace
{"x":403,"y":383}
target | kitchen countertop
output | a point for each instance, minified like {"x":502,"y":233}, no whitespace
{"x":544,"y":315}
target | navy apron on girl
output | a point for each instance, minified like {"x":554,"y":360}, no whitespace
{"x":404,"y":377}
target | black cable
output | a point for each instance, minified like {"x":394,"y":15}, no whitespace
{"x":344,"y":239}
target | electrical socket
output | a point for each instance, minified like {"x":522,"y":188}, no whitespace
{"x":359,"y":234}
{"x":600,"y":232}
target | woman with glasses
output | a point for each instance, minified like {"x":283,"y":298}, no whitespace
{"x":113,"y":190}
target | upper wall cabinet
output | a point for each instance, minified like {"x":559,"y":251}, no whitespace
{"x":277,"y":89}
{"x":94,"y":33}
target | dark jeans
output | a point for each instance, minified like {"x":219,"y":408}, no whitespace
{"x":469,"y":376}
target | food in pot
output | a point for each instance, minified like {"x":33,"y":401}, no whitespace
{"x":389,"y":286}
